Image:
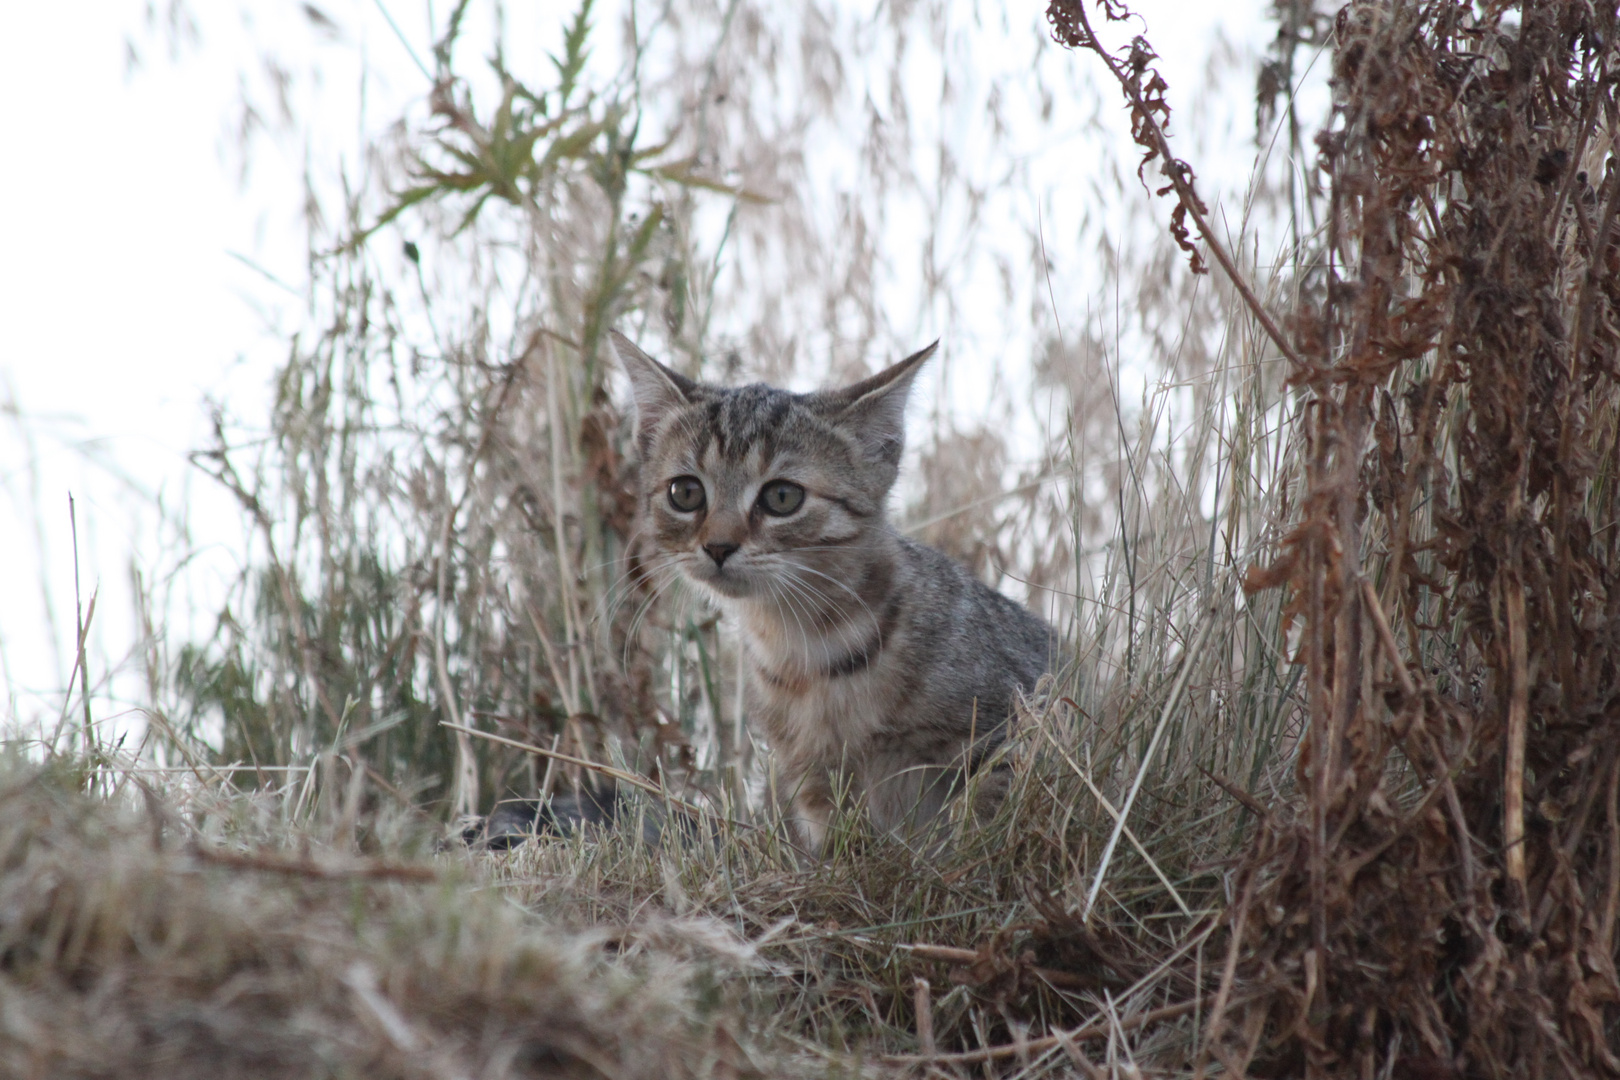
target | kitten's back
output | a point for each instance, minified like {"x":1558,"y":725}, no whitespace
{"x":978,"y":645}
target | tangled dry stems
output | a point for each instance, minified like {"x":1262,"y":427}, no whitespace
{"x":1442,"y":899}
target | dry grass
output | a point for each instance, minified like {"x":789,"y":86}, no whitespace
{"x":1359,"y":816}
{"x":197,"y":938}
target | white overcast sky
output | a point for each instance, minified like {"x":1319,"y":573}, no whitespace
{"x":126,"y":301}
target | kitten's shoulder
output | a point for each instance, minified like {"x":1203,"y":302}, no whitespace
{"x":969,"y":611}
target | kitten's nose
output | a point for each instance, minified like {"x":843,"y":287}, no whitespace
{"x":719,"y":553}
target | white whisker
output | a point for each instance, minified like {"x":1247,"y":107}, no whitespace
{"x":657,"y":591}
{"x":608,"y":607}
{"x":799,"y":567}
{"x":793,"y":609}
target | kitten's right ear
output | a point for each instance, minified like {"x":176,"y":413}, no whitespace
{"x":875,"y":409}
{"x":656,"y":388}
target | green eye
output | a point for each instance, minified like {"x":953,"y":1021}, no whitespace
{"x":779,"y":498}
{"x":686,"y":494}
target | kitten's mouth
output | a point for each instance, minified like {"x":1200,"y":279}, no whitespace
{"x":731,"y":582}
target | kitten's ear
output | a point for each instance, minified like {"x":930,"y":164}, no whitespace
{"x":656,"y":388}
{"x":875,"y":409}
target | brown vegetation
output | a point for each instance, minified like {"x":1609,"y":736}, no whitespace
{"x":1361,"y":819}
{"x":1441,"y":899}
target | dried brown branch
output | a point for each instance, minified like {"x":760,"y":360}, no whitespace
{"x":1517,"y":732}
{"x":1072,"y":27}
{"x":1386,"y":637}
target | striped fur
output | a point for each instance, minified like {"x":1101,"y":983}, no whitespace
{"x":876,"y":664}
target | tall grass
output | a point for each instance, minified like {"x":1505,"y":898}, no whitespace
{"x":445,"y":536}
{"x":440,"y":499}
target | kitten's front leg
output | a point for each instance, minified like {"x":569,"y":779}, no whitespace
{"x":812,"y":813}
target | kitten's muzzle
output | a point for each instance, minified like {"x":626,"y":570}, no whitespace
{"x":719,"y":553}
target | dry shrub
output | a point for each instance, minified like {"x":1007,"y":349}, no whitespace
{"x":1442,"y":898}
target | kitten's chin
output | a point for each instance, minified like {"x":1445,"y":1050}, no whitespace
{"x":726,"y":585}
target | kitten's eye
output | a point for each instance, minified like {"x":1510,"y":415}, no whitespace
{"x":686,"y":494}
{"x":779,"y":498}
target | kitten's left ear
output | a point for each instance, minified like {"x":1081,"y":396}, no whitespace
{"x":656,"y":388}
{"x":875,"y":409}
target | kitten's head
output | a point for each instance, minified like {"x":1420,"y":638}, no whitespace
{"x":756,"y":492}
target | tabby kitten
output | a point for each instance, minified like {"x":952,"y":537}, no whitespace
{"x":871,"y":658}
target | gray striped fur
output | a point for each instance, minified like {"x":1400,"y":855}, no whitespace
{"x":876,"y":664}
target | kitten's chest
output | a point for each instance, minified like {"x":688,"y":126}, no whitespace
{"x":821,"y":719}
{"x":821,"y":693}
